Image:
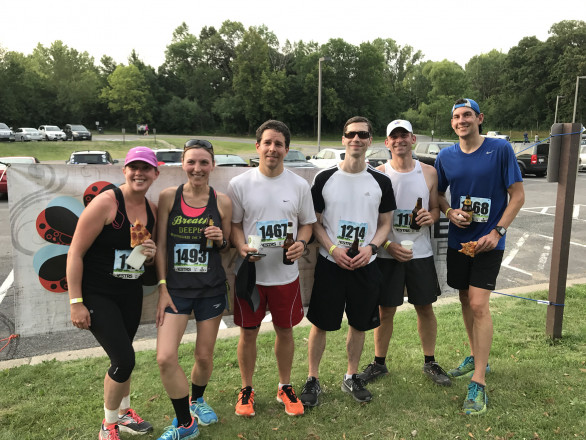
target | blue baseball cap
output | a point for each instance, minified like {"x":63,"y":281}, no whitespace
{"x":467,"y":103}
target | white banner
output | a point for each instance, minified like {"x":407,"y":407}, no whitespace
{"x":45,"y":202}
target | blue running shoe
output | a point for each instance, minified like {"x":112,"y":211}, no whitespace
{"x":174,"y":432}
{"x":465,"y":369}
{"x":476,"y":401}
{"x":204,"y":413}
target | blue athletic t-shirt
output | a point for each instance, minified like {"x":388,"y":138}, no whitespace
{"x":485,"y":175}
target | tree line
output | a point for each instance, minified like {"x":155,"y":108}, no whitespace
{"x":231,"y":79}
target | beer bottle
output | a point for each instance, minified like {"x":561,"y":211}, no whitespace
{"x":207,"y":243}
{"x":417,"y":208}
{"x":467,"y":206}
{"x":353,"y":251}
{"x":288,"y":243}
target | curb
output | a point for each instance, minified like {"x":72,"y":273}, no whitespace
{"x":151,"y":344}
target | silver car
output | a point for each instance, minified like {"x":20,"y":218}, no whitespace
{"x":52,"y":133}
{"x":26,"y":134}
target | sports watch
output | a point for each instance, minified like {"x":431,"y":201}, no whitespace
{"x":501,"y":230}
{"x":374,"y":248}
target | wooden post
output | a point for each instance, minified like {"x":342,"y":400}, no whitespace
{"x":568,"y":168}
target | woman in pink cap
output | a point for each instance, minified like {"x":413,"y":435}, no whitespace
{"x":105,"y":294}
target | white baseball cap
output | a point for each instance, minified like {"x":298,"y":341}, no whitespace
{"x":399,"y":123}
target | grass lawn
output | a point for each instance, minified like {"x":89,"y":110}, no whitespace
{"x":536,"y":390}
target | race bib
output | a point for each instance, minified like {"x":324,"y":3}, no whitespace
{"x":480,"y":208}
{"x":402,"y":221}
{"x":347,"y":231}
{"x":189,"y":258}
{"x":123,"y":270}
{"x":273,"y":232}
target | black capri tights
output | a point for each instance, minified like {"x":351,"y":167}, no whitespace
{"x":114,"y":322}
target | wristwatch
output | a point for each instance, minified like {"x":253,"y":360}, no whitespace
{"x":501,"y":230}
{"x":374,"y":248}
{"x":304,"y":244}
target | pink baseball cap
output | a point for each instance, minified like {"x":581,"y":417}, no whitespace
{"x":143,"y":154}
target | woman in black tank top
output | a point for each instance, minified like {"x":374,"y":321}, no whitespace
{"x":106,"y":295}
{"x":191,"y":278}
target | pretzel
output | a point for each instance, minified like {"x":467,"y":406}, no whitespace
{"x":468,"y":248}
{"x":138,"y":234}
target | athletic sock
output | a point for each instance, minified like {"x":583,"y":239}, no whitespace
{"x":429,"y":359}
{"x":181,"y":407}
{"x":197,"y":391}
{"x":379,"y":360}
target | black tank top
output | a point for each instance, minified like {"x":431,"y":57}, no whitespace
{"x":192,"y":273}
{"x":103,"y":264}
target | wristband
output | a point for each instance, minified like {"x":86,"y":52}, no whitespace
{"x":332,"y":249}
{"x":386,"y":245}
{"x":447,"y":210}
{"x":163,"y":281}
{"x":75,"y":300}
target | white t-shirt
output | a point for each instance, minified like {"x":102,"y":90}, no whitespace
{"x":264,"y":205}
{"x":407,"y":188}
{"x":350,"y":204}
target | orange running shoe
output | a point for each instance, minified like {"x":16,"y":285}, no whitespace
{"x":245,"y":403}
{"x":287,"y":397}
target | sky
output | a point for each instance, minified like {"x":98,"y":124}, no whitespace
{"x":441,"y":29}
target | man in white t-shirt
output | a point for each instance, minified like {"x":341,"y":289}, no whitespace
{"x":412,"y":269}
{"x":264,"y":200}
{"x":353,"y":202}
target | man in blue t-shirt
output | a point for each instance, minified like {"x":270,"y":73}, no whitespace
{"x":485,"y":171}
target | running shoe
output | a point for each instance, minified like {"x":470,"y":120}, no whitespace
{"x":465,"y":369}
{"x":476,"y":401}
{"x":310,"y":392}
{"x":245,"y":403}
{"x":109,"y":432}
{"x":373,"y":371}
{"x":287,"y":397}
{"x":355,"y":386}
{"x":436,"y":374}
{"x":132,"y":423}
{"x":204,"y":413}
{"x":175,"y":432}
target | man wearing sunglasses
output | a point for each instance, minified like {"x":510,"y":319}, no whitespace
{"x":402,"y":268}
{"x":486,"y":171}
{"x":352,"y":200}
{"x":264,"y":200}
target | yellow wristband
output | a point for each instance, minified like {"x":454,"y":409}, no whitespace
{"x":162,"y":282}
{"x":332,"y":249}
{"x":447,"y":210}
{"x":386,"y":245}
{"x":75,"y":300}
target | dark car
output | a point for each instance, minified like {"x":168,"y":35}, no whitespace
{"x":5,"y":162}
{"x":427,"y":152}
{"x":532,"y":159}
{"x":91,"y":158}
{"x":293,"y":159}
{"x":75,"y":132}
{"x":229,"y":160}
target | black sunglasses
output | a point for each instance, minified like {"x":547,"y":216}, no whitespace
{"x":361,"y":134}
{"x":197,"y":143}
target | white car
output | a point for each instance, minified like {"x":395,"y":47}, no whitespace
{"x":52,"y":133}
{"x":27,"y":134}
{"x":582,"y":158}
{"x":169,"y":156}
{"x":328,"y":157}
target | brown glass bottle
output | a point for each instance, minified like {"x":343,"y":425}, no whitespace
{"x":207,"y":243}
{"x":417,"y":208}
{"x":288,"y":243}
{"x":353,"y":251}
{"x":467,"y":205}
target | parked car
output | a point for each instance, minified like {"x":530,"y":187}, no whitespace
{"x":52,"y":133}
{"x":91,"y":157}
{"x":75,"y":132}
{"x":377,"y":156}
{"x":6,"y":133}
{"x":169,"y":156}
{"x":497,"y":134}
{"x":4,"y":163}
{"x":532,"y":159}
{"x":328,"y":157}
{"x":427,"y":152}
{"x":582,"y":158}
{"x":27,"y":134}
{"x":293,"y":159}
{"x":229,"y":160}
